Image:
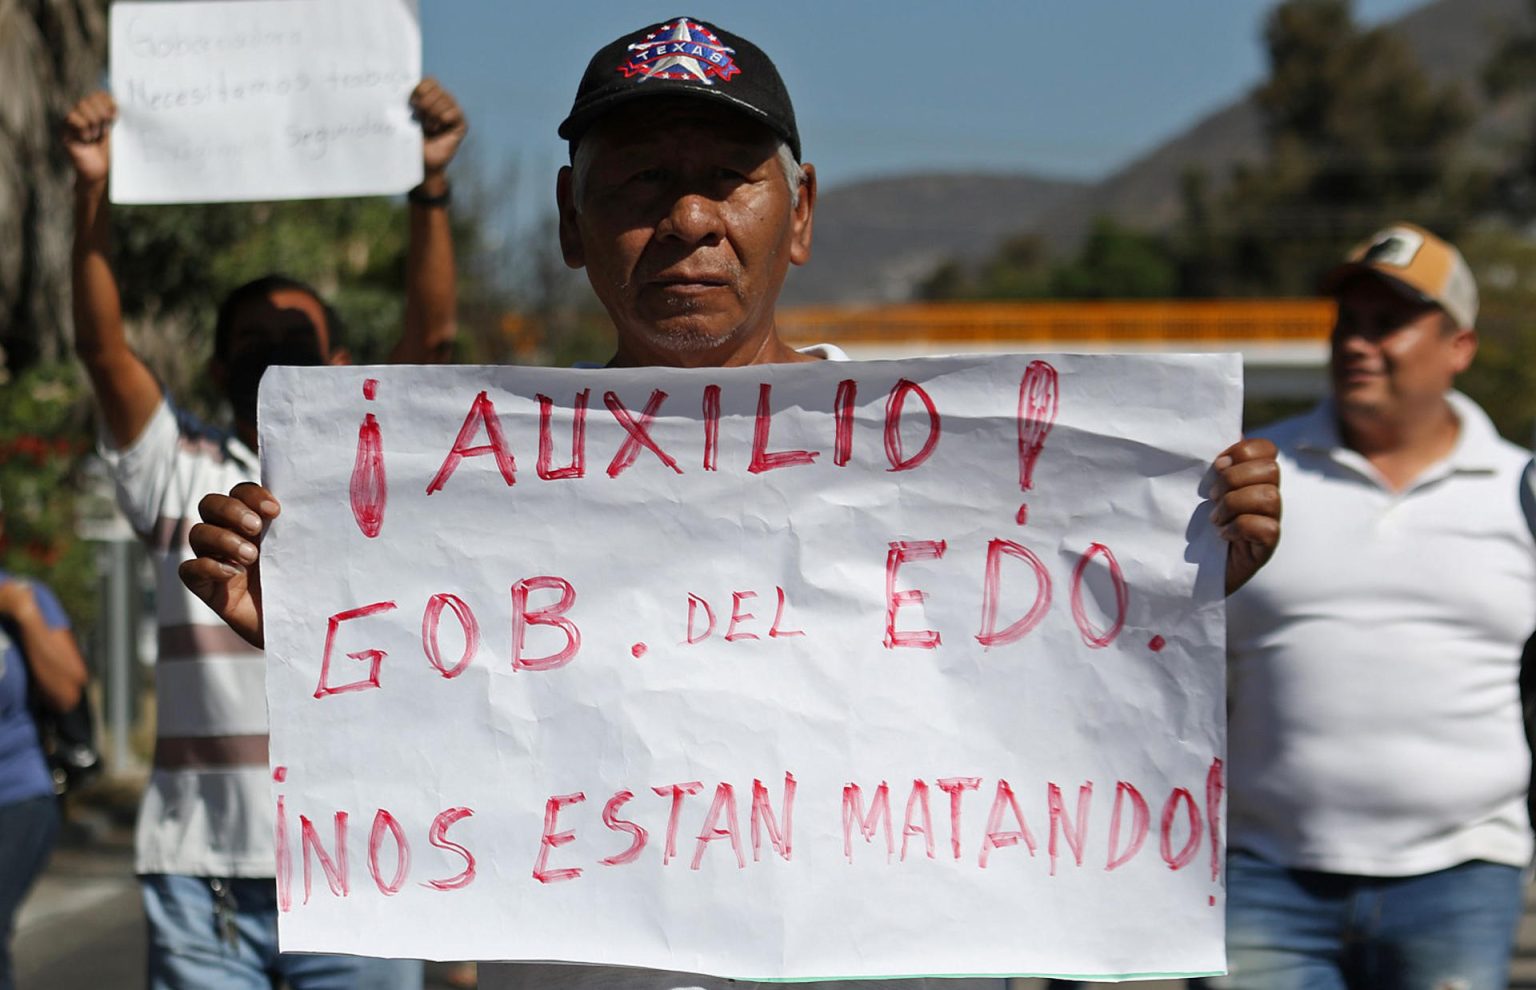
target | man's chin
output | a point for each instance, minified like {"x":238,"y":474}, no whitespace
{"x":1359,"y":403}
{"x":690,"y":336}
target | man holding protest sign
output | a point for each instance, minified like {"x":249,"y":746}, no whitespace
{"x":205,"y":830}
{"x":686,"y":202}
{"x":1379,"y":771}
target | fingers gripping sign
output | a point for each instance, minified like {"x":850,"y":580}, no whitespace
{"x":226,"y":571}
{"x":1247,"y":513}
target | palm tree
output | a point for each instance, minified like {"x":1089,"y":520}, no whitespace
{"x":51,"y":53}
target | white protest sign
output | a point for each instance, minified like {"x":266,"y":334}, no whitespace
{"x":234,"y":100}
{"x":817,"y":670}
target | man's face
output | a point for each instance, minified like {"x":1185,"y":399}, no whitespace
{"x":1392,"y":354}
{"x":686,"y":230}
{"x":288,"y":327}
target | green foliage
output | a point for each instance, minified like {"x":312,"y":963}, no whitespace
{"x":1357,"y":136}
{"x":948,"y":281}
{"x":174,"y":264}
{"x":1505,"y":261}
{"x":1115,"y":262}
{"x":352,"y":250}
{"x":1513,"y":66}
{"x":164,"y":255}
{"x":1018,"y":270}
{"x":1118,"y":263}
{"x":560,"y":321}
{"x":1511,"y":73}
{"x":1501,"y":377}
{"x":44,"y":433}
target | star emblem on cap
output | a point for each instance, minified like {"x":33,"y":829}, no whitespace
{"x":676,"y":52}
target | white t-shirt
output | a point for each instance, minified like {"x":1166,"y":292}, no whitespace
{"x":207,"y":809}
{"x":1374,"y":705}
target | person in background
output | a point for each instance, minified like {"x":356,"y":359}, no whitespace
{"x":204,"y":841}
{"x":1378,"y":774}
{"x":38,"y":657}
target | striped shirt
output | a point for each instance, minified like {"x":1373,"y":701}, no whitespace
{"x":207,"y":809}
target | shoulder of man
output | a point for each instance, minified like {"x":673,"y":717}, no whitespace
{"x":202,"y":439}
{"x":1474,"y":417}
{"x":1509,"y":459}
{"x":192,"y":426}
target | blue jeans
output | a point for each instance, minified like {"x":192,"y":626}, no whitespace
{"x":213,"y":932}
{"x":27,"y":831}
{"x":1302,"y":930}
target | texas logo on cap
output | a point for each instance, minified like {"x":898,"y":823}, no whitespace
{"x":682,"y":50}
{"x":683,"y":57}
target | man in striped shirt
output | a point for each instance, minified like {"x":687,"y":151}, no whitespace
{"x":204,"y":842}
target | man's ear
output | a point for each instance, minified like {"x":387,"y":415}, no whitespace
{"x":801,"y":220}
{"x":1464,"y":347}
{"x":570,"y":231}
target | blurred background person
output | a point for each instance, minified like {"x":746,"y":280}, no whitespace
{"x":204,"y":840}
{"x":38,"y":659}
{"x":1377,"y":817}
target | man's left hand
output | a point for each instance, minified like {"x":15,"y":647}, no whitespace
{"x":1247,"y":497}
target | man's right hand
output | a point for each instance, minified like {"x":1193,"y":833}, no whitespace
{"x":88,"y":136}
{"x":226,"y":573}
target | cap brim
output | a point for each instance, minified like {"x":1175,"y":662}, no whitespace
{"x":577,"y":124}
{"x":1338,"y":275}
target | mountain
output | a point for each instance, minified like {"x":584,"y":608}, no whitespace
{"x":874,"y":240}
{"x":1452,"y":39}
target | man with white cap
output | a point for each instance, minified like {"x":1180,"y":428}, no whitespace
{"x":1378,"y":766}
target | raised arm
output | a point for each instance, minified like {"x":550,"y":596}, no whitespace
{"x":431,"y":286}
{"x":126,"y":392}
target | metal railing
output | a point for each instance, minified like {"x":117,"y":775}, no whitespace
{"x":1238,"y":322}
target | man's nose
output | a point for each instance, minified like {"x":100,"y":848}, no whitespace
{"x":694,"y":218}
{"x":1349,"y":342}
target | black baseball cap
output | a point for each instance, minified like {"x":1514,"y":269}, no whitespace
{"x":683,"y":56}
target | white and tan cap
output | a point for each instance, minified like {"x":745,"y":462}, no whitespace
{"x":1415,"y":260}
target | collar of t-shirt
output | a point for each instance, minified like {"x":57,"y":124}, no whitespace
{"x":1476,"y":450}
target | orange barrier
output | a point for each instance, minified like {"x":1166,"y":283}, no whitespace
{"x":1234,"y":321}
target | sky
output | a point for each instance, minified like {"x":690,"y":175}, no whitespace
{"x":1072,"y":88}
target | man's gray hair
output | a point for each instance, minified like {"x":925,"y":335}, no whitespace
{"x":581,"y":166}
